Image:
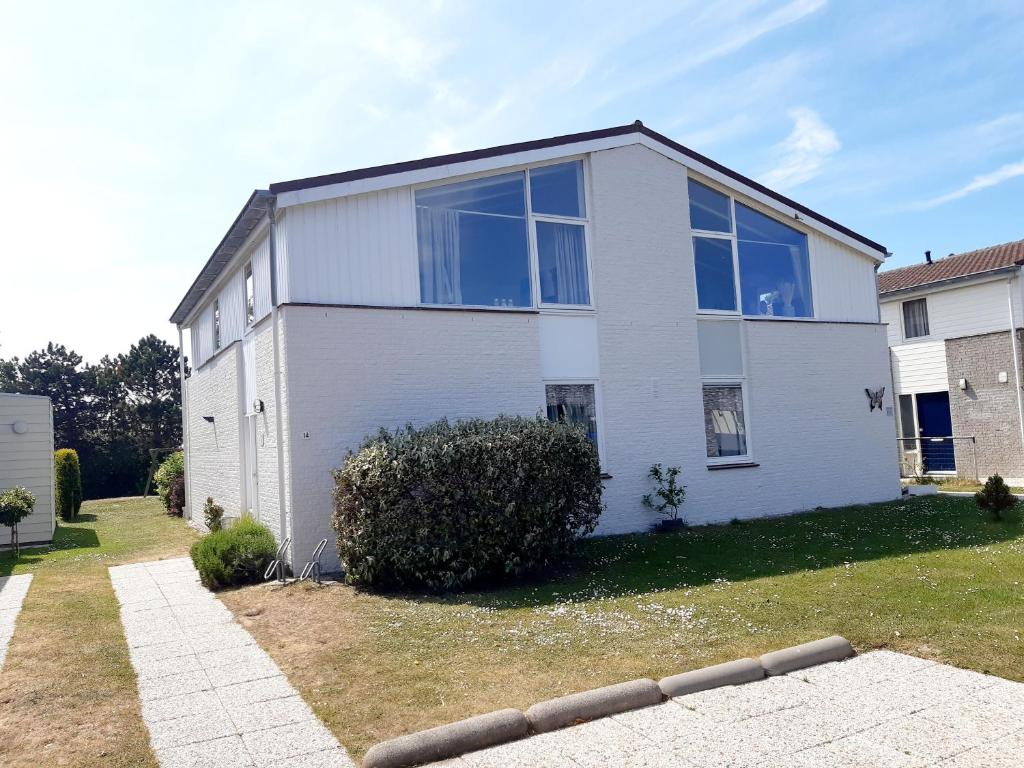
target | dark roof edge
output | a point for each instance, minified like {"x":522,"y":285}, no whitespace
{"x":184,"y":306}
{"x":950,"y":280}
{"x":555,"y":141}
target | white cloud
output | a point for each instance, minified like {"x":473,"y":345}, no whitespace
{"x":978,"y":183}
{"x":802,"y":155}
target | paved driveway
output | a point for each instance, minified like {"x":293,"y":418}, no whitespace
{"x":880,"y":709}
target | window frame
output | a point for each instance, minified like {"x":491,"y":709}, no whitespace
{"x":249,"y":275}
{"x":732,"y":236}
{"x":741,"y":381}
{"x":536,"y":304}
{"x":598,"y":405}
{"x":903,"y":320}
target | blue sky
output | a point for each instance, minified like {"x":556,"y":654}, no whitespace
{"x":131,"y":133}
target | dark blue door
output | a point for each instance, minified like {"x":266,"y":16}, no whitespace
{"x":934,"y":422}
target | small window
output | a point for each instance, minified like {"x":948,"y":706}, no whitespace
{"x":250,"y":295}
{"x":709,"y":210}
{"x":915,"y":318}
{"x":562,"y":260}
{"x":724,"y":428}
{"x":716,"y":281}
{"x":472,"y":242}
{"x":574,"y":404}
{"x":775,"y":272}
{"x":907,"y":431}
{"x":557,"y":190}
{"x":216,"y":323}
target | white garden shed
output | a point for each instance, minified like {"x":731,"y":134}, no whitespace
{"x":26,"y":458}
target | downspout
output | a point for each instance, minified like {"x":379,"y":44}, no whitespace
{"x":1016,"y":359}
{"x":279,"y":406}
{"x":184,"y":422}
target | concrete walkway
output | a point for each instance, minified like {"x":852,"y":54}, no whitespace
{"x":878,"y":710}
{"x":12,"y":594}
{"x":210,"y":696}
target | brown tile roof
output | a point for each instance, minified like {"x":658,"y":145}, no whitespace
{"x":953,"y":266}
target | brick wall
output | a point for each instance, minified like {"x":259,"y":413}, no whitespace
{"x":266,"y":430}
{"x":987,"y":409}
{"x":214,"y":458}
{"x":352,"y":371}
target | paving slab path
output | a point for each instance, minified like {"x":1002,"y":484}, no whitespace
{"x":12,"y":594}
{"x":211,"y":697}
{"x":877,"y":710}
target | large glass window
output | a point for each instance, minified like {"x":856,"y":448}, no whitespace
{"x":474,"y":247}
{"x":915,"y":318}
{"x":473,"y":242}
{"x":709,"y":210}
{"x":716,"y":284}
{"x":575,"y":404}
{"x":775,"y":272}
{"x":557,"y":190}
{"x":724,"y":429}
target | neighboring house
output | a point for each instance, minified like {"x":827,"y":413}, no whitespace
{"x":684,"y":313}
{"x":956,"y":365}
{"x":26,"y":459}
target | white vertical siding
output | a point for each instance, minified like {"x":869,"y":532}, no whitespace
{"x":920,"y":367}
{"x":893,"y":327}
{"x":27,"y":460}
{"x":356,"y":250}
{"x":843,"y":282}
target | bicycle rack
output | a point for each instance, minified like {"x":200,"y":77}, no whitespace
{"x":312,"y":568}
{"x":277,"y":564}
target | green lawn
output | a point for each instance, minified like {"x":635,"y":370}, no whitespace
{"x":929,"y":576}
{"x":67,"y":689}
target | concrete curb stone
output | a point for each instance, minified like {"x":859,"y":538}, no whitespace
{"x":557,"y":713}
{"x":448,"y":740}
{"x":729,"y":673}
{"x":833,"y":648}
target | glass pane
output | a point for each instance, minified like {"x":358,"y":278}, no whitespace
{"x":472,"y":243}
{"x":250,"y":295}
{"x":907,"y":423}
{"x":709,"y":210}
{"x":562,"y":257}
{"x":721,"y":355}
{"x":915,"y":318}
{"x":724,"y":430}
{"x":557,"y":190}
{"x":716,"y":285}
{"x":575,"y":404}
{"x":775,"y":273}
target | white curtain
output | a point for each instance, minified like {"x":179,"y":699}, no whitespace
{"x":915,"y":318}
{"x":570,"y":265}
{"x":440,"y":262}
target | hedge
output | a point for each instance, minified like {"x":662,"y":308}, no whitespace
{"x":67,"y":479}
{"x":451,"y":505}
{"x":235,"y":555}
{"x":169,"y":470}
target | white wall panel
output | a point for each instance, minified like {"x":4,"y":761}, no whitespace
{"x":261,"y":277}
{"x":27,"y":459}
{"x":843,"y":282}
{"x":920,"y":367}
{"x":357,"y":250}
{"x":568,"y":347}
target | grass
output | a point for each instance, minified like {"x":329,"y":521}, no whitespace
{"x":67,"y":690}
{"x":929,"y":576}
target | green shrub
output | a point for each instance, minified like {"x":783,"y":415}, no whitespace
{"x":67,"y":480}
{"x":170,"y":468}
{"x":450,"y":505}
{"x":235,"y":555}
{"x":15,"y":505}
{"x":177,"y":496}
{"x":213,"y":514}
{"x":995,"y":497}
{"x":668,"y":495}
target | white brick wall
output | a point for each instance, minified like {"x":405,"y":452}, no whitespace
{"x":352,"y":371}
{"x":266,"y":430}
{"x":214,"y":460}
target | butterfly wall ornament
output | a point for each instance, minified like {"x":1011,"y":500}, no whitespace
{"x":875,"y":398}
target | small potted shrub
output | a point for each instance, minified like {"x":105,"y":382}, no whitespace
{"x":15,"y":505}
{"x":667,"y":497}
{"x":995,"y":497}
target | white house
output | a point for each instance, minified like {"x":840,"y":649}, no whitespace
{"x":26,"y":459}
{"x":687,"y":314}
{"x":956,"y":364}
